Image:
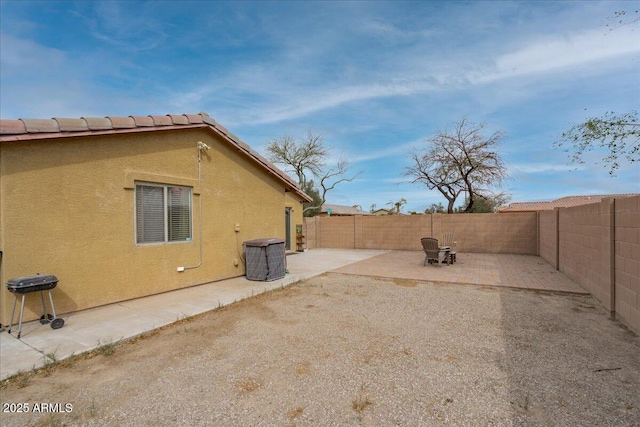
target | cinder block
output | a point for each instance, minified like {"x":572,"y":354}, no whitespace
{"x":625,"y":249}
{"x":635,"y":250}
{"x":634,"y":286}
{"x":634,"y":320}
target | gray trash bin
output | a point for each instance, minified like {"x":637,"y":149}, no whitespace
{"x":265,"y":259}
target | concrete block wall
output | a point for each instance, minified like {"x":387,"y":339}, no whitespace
{"x":627,"y":261}
{"x":513,"y":233}
{"x":598,"y":246}
{"x":337,"y":232}
{"x":310,"y":231}
{"x":392,"y":232}
{"x":489,"y":233}
{"x":548,"y":232}
{"x":584,"y":248}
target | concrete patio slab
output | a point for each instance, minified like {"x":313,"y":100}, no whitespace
{"x":515,"y":271}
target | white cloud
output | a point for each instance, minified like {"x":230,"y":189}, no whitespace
{"x":20,"y":54}
{"x":274,"y":97}
{"x":543,"y":168}
{"x":554,"y":54}
{"x":385,"y":30}
{"x":401,"y":149}
{"x":126,"y":26}
{"x":323,"y":99}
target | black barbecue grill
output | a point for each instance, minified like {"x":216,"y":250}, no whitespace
{"x":27,"y":284}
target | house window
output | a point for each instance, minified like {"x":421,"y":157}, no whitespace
{"x":163,"y":213}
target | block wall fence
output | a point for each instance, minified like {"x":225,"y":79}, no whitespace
{"x":596,"y":245}
{"x":512,"y":233}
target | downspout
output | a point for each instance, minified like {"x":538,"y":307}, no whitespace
{"x":201,"y":147}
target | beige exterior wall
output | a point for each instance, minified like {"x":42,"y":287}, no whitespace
{"x":491,"y":233}
{"x":67,"y":208}
{"x":627,"y":261}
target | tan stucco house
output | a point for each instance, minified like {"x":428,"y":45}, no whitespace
{"x":123,"y":207}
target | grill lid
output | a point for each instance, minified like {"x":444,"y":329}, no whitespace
{"x":36,"y":282}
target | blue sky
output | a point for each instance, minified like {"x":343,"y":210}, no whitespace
{"x":375,"y":78}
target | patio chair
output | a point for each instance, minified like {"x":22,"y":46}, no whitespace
{"x":447,"y":240}
{"x":434,"y":253}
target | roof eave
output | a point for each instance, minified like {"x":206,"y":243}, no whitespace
{"x":55,"y":135}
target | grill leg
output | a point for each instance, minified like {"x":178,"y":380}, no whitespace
{"x":15,"y":300}
{"x":21,"y":313}
{"x":44,"y":307}
{"x":53,"y":309}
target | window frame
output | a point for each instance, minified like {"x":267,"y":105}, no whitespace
{"x":166,"y":194}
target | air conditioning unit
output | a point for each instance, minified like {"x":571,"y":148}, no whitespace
{"x":265,"y":259}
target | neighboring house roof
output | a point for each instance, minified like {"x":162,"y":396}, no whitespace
{"x":30,"y":129}
{"x":563,"y":202}
{"x":342,"y":210}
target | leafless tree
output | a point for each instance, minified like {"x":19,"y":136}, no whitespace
{"x":307,"y":158}
{"x":459,"y":160}
{"x":304,"y":155}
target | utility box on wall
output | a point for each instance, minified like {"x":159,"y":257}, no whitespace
{"x":265,"y":259}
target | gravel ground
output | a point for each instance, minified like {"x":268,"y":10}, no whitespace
{"x":353,"y":350}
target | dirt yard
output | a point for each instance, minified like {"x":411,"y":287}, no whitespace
{"x":352,"y":350}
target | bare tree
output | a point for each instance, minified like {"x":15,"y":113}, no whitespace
{"x":307,"y":157}
{"x":459,"y":160}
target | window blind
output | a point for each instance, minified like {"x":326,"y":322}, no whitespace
{"x":163,"y":213}
{"x":179,"y":213}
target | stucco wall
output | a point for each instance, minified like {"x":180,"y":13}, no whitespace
{"x":68,"y":209}
{"x":490,"y":233}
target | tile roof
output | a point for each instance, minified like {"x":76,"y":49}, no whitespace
{"x":57,"y":127}
{"x":563,"y":202}
{"x":343,"y":210}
